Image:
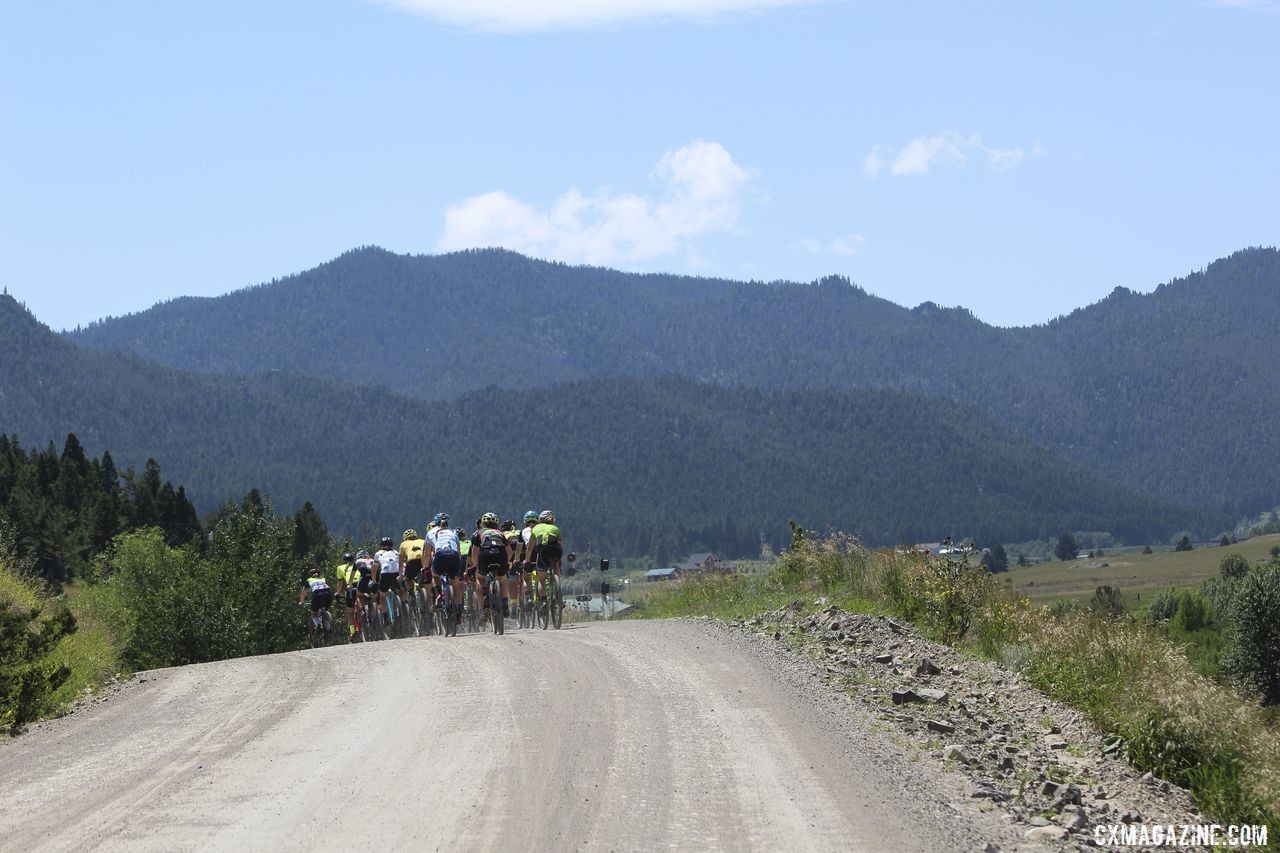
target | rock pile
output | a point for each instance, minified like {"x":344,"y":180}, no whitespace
{"x":1040,"y":762}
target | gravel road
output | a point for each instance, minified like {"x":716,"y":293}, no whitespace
{"x":621,"y":735}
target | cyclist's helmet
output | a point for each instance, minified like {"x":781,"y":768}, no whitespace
{"x":530,"y":516}
{"x":462,"y":534}
{"x":346,"y":557}
{"x":441,"y":519}
{"x":489,"y":519}
{"x":386,"y":541}
{"x":547,"y":517}
{"x":508,"y":525}
{"x":410,"y":534}
{"x":362,"y":555}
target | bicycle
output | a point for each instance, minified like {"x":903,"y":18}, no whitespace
{"x":412,"y":618}
{"x":550,"y":605}
{"x":425,"y":610}
{"x":524,"y":603}
{"x":319,"y":626}
{"x":493,"y":602}
{"x":357,"y":621}
{"x":470,"y":606}
{"x":375,"y":627}
{"x":446,"y":600}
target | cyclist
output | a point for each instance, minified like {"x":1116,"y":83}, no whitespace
{"x":446,"y":558}
{"x":321,"y":598}
{"x":411,"y":561}
{"x":464,"y":553}
{"x":547,"y":546}
{"x":368,"y":568}
{"x":388,"y":576}
{"x":530,"y":519}
{"x":514,"y":577}
{"x":491,"y":553}
{"x":348,"y":583}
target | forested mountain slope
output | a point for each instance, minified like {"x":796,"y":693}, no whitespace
{"x":1172,"y":392}
{"x":655,"y":466}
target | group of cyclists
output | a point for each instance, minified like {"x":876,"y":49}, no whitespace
{"x":519,"y":558}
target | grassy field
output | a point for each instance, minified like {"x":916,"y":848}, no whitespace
{"x":1137,"y":575}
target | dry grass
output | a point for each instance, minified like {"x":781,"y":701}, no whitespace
{"x":1128,"y":678}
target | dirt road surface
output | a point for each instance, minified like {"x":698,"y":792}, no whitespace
{"x":607,"y":736}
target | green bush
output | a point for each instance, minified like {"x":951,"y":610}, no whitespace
{"x":1253,"y":653}
{"x":1163,"y":606}
{"x":1192,"y":613}
{"x":1233,"y":566}
{"x":1107,"y":601}
{"x":30,"y":629}
{"x":179,"y":607}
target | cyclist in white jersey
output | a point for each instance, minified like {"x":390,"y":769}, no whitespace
{"x":446,"y":557}
{"x":388,"y":560}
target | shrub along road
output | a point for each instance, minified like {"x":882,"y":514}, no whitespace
{"x":623,"y":734}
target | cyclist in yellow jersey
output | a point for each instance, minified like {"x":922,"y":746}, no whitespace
{"x":348,"y":582}
{"x":410,"y":560}
{"x":547,"y":546}
{"x":514,"y":578}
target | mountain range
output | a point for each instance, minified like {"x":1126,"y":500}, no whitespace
{"x":663,"y":413}
{"x":1174,"y":392}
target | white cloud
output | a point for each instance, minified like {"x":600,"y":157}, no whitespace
{"x":946,"y":150}
{"x":526,"y":15}
{"x":874,"y":163}
{"x":699,"y":190}
{"x":848,"y":245}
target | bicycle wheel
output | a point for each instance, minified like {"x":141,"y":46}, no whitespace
{"x":426,"y":619}
{"x":414,"y":626}
{"x":557,"y":600}
{"x":450,"y":624}
{"x":540,"y":607}
{"x":495,"y":609}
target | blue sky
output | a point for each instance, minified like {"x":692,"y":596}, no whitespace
{"x":1020,"y":159}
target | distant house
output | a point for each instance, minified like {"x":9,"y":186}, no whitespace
{"x":699,"y":563}
{"x":662,"y":574}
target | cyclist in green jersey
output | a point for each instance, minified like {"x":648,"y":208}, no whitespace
{"x":547,"y":546}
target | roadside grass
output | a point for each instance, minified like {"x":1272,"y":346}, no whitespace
{"x":1132,"y":681}
{"x":94,"y":653}
{"x":84,"y":658}
{"x":1139,"y":576}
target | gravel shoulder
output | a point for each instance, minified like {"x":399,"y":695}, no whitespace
{"x":633,"y":735}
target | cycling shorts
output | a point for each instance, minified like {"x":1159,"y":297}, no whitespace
{"x":321,"y":599}
{"x":351,"y":596}
{"x":366,"y":584}
{"x":498,"y":567}
{"x":447,"y":565}
{"x":413,"y":569}
{"x":389,"y":581}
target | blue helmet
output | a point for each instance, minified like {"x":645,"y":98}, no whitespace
{"x":441,"y":519}
{"x":530,"y":516}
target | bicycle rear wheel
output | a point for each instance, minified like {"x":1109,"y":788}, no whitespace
{"x":557,"y":601}
{"x":541,"y":611}
{"x":495,"y":606}
{"x":415,"y":618}
{"x":450,"y":620}
{"x":426,"y":617}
